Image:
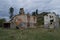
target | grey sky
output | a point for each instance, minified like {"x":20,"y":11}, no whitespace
{"x":29,"y":6}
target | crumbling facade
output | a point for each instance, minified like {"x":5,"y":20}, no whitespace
{"x":23,"y":20}
{"x":51,"y":20}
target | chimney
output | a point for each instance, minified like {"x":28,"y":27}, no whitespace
{"x":21,"y":11}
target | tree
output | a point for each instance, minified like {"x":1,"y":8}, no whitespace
{"x":11,"y":12}
{"x":2,"y":21}
{"x":33,"y":13}
{"x":36,"y":11}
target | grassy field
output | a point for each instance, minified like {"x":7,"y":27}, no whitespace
{"x":29,"y":34}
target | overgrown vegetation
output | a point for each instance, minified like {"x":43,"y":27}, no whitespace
{"x":40,"y":18}
{"x":29,"y":34}
{"x":2,"y":21}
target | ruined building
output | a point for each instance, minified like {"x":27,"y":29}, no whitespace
{"x":51,"y":20}
{"x":23,"y":20}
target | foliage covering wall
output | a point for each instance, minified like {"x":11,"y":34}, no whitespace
{"x":40,"y":18}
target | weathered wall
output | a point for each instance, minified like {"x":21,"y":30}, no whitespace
{"x":47,"y":19}
{"x":24,"y":20}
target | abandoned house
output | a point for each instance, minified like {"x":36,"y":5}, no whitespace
{"x":23,"y":20}
{"x":51,"y":20}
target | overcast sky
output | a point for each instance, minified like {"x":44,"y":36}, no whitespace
{"x":29,"y":6}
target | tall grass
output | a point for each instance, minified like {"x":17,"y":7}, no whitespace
{"x":29,"y":34}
